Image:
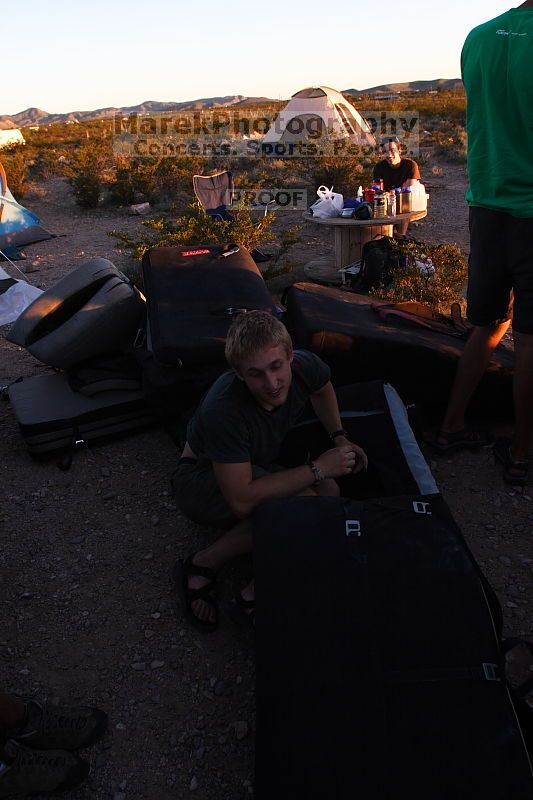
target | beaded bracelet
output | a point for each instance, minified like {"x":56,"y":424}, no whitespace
{"x":317,"y":472}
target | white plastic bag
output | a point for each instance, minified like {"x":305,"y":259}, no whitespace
{"x":425,"y":267}
{"x":329,"y":203}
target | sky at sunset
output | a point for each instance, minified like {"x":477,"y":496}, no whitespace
{"x":73,"y":56}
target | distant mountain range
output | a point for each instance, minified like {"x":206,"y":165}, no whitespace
{"x":36,"y":116}
{"x":446,"y":84}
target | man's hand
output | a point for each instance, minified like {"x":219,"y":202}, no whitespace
{"x":362,"y":458}
{"x":344,"y":460}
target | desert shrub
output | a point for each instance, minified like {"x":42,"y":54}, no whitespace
{"x":195,"y":227}
{"x":439,"y":290}
{"x":161,"y":180}
{"x":131,"y":180}
{"x":448,"y":106}
{"x":345,"y":174}
{"x":452,"y":146}
{"x":48,"y":163}
{"x":122,"y":184}
{"x":85,"y":171}
{"x":173,"y":176}
{"x":15,"y":162}
{"x":280,"y":263}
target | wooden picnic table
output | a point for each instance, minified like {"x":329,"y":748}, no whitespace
{"x":351,"y":234}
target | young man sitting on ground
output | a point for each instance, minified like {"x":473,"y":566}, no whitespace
{"x":228,"y":465}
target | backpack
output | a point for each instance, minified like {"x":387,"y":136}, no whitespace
{"x":379,"y":260}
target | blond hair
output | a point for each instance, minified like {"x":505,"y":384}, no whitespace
{"x":254,"y":331}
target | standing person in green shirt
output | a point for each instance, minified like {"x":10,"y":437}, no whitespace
{"x":498,"y":78}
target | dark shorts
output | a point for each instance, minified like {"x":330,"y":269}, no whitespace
{"x":198,"y":495}
{"x":500,"y":269}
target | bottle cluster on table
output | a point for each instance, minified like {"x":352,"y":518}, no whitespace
{"x":386,"y":203}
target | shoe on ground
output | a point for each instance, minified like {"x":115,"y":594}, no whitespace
{"x":242,"y":612}
{"x":185,"y":569}
{"x":514,"y":472}
{"x":465,"y":439}
{"x":24,"y":771}
{"x":48,"y":727}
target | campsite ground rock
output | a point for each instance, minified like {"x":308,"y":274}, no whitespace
{"x":88,"y":617}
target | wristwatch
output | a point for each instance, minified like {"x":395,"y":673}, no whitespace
{"x":340,"y":432}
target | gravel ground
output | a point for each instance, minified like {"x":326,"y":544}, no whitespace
{"x":86,"y":560}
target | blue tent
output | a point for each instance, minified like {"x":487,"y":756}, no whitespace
{"x":18,"y":226}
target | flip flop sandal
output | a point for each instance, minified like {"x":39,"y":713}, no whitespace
{"x":242,"y":612}
{"x":185,"y":569}
{"x":465,"y":439}
{"x":514,"y":472}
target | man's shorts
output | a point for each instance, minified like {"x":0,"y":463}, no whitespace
{"x":500,"y":268}
{"x":198,"y":495}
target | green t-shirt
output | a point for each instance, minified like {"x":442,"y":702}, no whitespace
{"x":497,"y":70}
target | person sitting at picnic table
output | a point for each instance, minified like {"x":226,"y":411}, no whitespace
{"x":228,"y":465}
{"x":396,"y":172}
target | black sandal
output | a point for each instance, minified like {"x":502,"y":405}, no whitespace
{"x":242,"y":612}
{"x":465,"y":439}
{"x":514,"y":472}
{"x":185,"y":569}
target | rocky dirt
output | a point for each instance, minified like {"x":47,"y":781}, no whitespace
{"x":88,"y":608}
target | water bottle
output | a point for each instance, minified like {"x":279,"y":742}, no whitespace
{"x":407,"y":200}
{"x":380,"y":205}
{"x":398,"y":198}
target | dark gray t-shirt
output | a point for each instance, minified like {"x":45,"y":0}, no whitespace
{"x":229,"y":427}
{"x":406,"y":170}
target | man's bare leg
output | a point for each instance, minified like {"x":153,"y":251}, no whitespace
{"x":236,"y":542}
{"x":402,"y":227}
{"x":523,"y":396}
{"x":472,"y":365}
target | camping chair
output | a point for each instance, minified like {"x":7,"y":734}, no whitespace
{"x":215,"y":194}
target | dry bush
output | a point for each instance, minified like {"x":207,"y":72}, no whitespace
{"x":452,"y":147}
{"x":344,"y":174}
{"x":15,"y":162}
{"x":85,"y":171}
{"x":439,"y":290}
{"x":48,"y":163}
{"x":131,"y":180}
{"x":195,"y":227}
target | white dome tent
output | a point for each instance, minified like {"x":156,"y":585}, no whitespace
{"x":11,"y":137}
{"x":319,"y":112}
